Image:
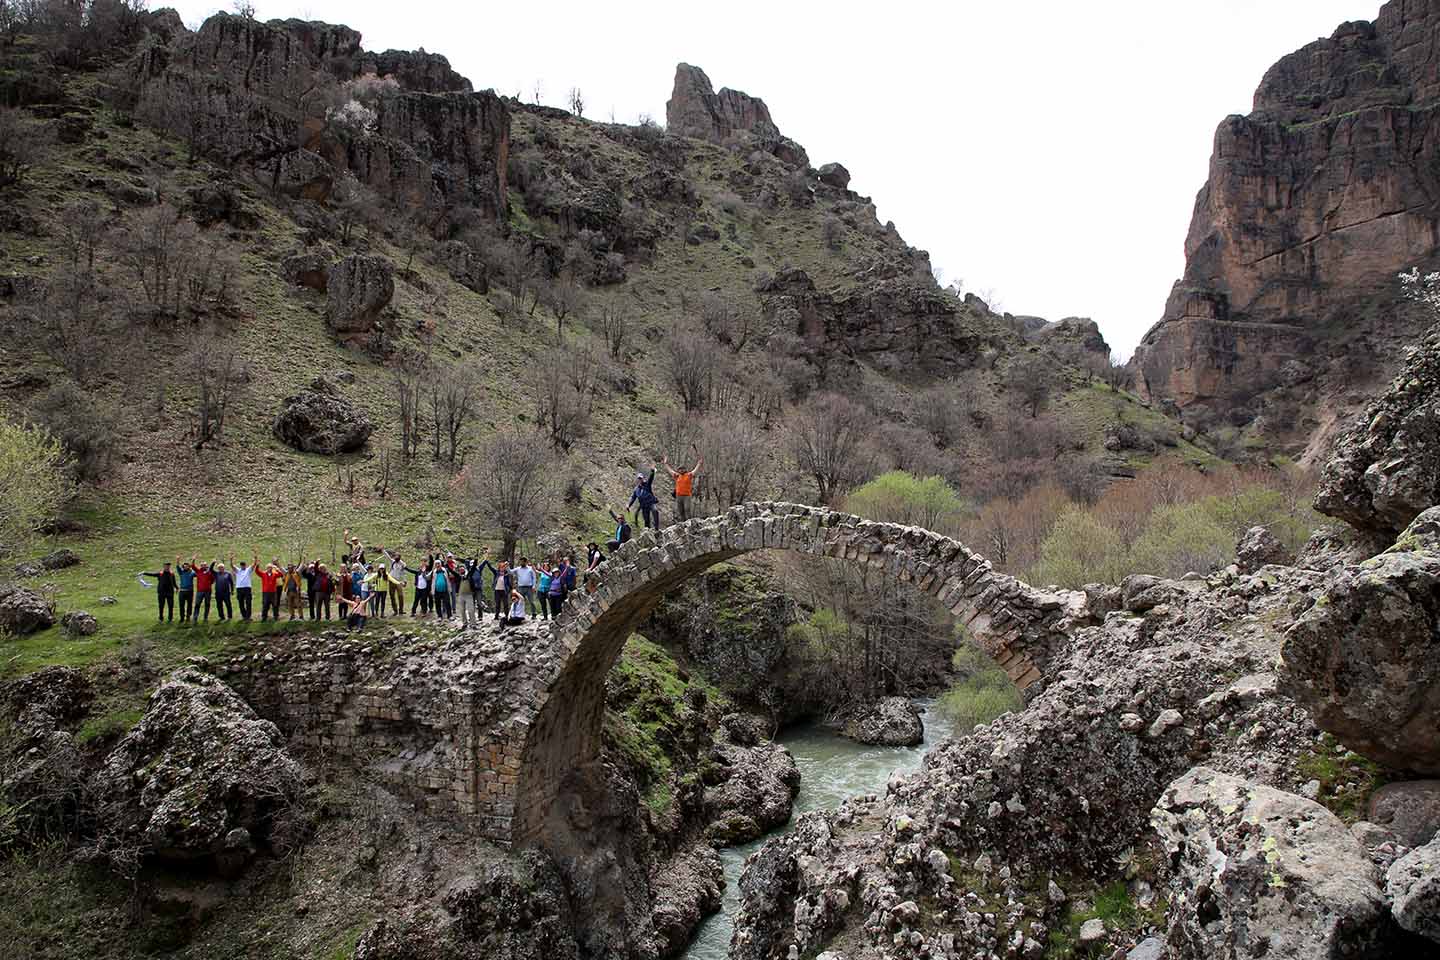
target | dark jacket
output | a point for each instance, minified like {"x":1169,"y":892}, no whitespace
{"x":644,"y":493}
{"x":165,"y":582}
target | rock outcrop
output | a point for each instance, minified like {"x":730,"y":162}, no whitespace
{"x":24,"y":611}
{"x":1385,"y":469}
{"x":1264,"y":873}
{"x":359,"y":289}
{"x":893,"y":323}
{"x":200,"y":776}
{"x":246,"y":92}
{"x":1410,"y":810}
{"x":1314,"y":202}
{"x":696,"y":110}
{"x":320,"y":420}
{"x":750,"y":790}
{"x":1062,"y":791}
{"x":1365,"y":658}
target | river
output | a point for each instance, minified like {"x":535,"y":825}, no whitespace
{"x":832,"y":769}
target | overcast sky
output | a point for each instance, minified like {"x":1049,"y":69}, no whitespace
{"x":1047,"y":153}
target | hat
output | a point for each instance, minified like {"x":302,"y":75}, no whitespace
{"x":639,"y":476}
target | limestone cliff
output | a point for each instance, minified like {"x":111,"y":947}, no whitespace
{"x":1315,"y":201}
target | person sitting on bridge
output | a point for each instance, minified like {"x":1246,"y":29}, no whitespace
{"x":622,"y":531}
{"x":684,"y":484}
{"x":356,"y":614}
{"x":593,"y":559}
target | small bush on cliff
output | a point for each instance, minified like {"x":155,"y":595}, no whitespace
{"x":983,"y":692}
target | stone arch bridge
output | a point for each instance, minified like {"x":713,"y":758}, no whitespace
{"x":502,"y":730}
{"x":1021,"y":627}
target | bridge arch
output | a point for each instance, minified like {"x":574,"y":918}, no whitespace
{"x":1022,"y":628}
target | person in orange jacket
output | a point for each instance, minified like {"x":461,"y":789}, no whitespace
{"x":684,"y":486}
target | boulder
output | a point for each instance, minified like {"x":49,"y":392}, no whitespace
{"x":701,"y":233}
{"x":1410,"y":810}
{"x":24,"y":611}
{"x":359,"y":288}
{"x":685,"y":890}
{"x":835,"y":175}
{"x":1365,"y":657}
{"x":889,"y":722}
{"x":750,"y":792}
{"x":79,"y":623}
{"x":1259,"y":872}
{"x":306,"y":270}
{"x":1258,"y":547}
{"x":1385,"y":469}
{"x":320,"y":420}
{"x":1413,"y":885}
{"x":197,"y":766}
{"x":59,"y":559}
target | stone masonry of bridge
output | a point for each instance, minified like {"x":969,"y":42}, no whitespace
{"x":494,"y":727}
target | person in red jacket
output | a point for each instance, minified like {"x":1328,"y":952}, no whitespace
{"x":204,"y":586}
{"x":269,"y":587}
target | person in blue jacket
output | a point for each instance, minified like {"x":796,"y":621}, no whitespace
{"x":644,"y":500}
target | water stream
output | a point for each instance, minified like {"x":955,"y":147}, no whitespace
{"x":832,"y":769}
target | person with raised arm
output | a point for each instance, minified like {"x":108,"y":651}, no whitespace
{"x":165,"y":583}
{"x":684,"y":484}
{"x":244,"y":595}
{"x":185,"y":574}
{"x":204,"y":584}
{"x":270,"y":578}
{"x":643,"y":499}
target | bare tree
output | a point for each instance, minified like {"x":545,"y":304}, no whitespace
{"x":560,"y":410}
{"x":156,"y":247}
{"x":214,"y":370}
{"x":945,"y":411}
{"x":22,"y":143}
{"x":408,"y":377}
{"x":355,"y":204}
{"x":453,"y":392}
{"x":691,"y":364}
{"x":577,"y":102}
{"x":726,"y":321}
{"x":1029,"y":378}
{"x":827,"y":439}
{"x":614,"y":324}
{"x":75,"y":328}
{"x":82,"y":229}
{"x":9,"y":20}
{"x":735,"y":450}
{"x":510,"y":488}
{"x":565,"y":299}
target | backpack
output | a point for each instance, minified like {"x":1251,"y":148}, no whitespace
{"x":477,"y":579}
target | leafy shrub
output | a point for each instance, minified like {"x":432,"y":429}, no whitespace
{"x":1080,"y":550}
{"x":900,"y":497}
{"x":983,"y":692}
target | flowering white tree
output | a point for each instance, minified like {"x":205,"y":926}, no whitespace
{"x":1422,"y":288}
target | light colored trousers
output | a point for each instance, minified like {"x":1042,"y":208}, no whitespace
{"x":468,"y":610}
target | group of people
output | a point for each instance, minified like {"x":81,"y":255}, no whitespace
{"x":367,"y":582}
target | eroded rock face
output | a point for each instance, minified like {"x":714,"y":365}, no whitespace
{"x":889,"y":722}
{"x":1365,"y":658}
{"x":306,"y":270}
{"x":1264,"y":873}
{"x":320,"y":420}
{"x":359,"y":289}
{"x":197,"y":766}
{"x":696,"y":110}
{"x":1314,"y":201}
{"x":512,"y":910}
{"x":24,"y":611}
{"x":1385,"y":469}
{"x":242,"y":92}
{"x":686,"y":890}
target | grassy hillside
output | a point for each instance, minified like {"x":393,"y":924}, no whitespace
{"x":160,"y":496}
